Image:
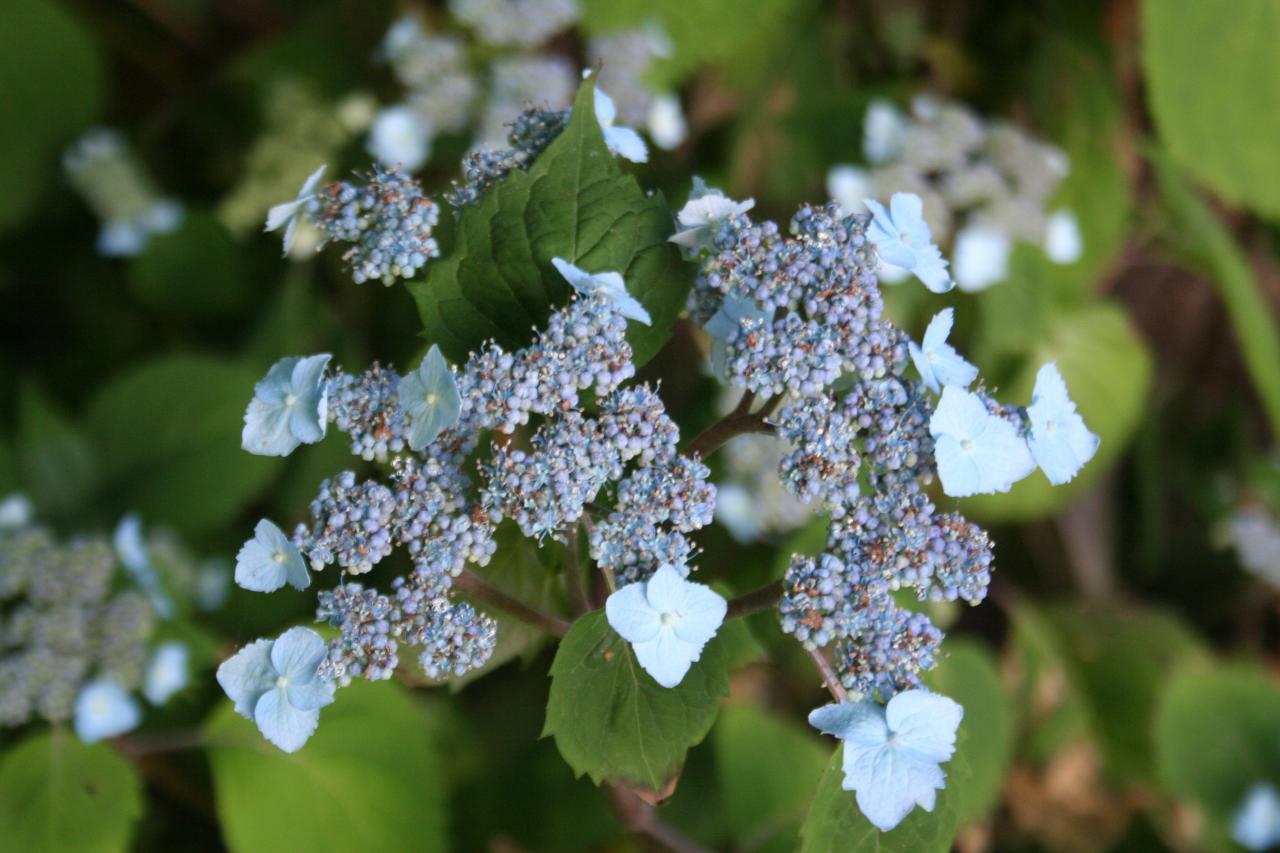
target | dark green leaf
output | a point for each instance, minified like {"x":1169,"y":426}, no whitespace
{"x":195,"y":270}
{"x":55,"y":464}
{"x":60,"y":794}
{"x":369,"y":779}
{"x":574,"y":203}
{"x":613,"y":722}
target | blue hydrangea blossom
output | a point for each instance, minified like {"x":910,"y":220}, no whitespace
{"x":622,"y":141}
{"x":1060,"y":442}
{"x":978,"y":452}
{"x":667,"y":620}
{"x":167,"y":673}
{"x":274,"y":683}
{"x":610,"y":284}
{"x":706,"y":209}
{"x":288,"y":213}
{"x":105,"y":709}
{"x":938,"y":362}
{"x":289,"y":407}
{"x":269,"y":560}
{"x":430,"y":398}
{"x":902,"y":238}
{"x":1256,"y":824}
{"x":892,"y":752}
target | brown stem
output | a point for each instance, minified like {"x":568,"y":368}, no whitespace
{"x":829,"y":677}
{"x":642,"y":818}
{"x":474,"y":586}
{"x":755,"y":601}
{"x":573,"y":575}
{"x":741,"y":420}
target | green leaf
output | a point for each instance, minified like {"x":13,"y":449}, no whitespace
{"x":574,"y":203}
{"x":195,"y":270}
{"x":169,"y":437}
{"x":61,"y":794}
{"x":767,"y":770}
{"x":613,"y":722}
{"x":1108,"y":370}
{"x":526,"y":572}
{"x":1202,"y":236}
{"x":55,"y":464}
{"x":836,"y":825}
{"x":1217,"y":733}
{"x":50,"y":89}
{"x":369,"y":779}
{"x":1213,"y":78}
{"x":968,"y":674}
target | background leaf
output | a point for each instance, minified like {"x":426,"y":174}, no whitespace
{"x":61,"y":794}
{"x":54,"y":461}
{"x":368,"y":779}
{"x":613,"y":722}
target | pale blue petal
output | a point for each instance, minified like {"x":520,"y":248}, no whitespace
{"x":931,"y":269}
{"x":248,"y":674}
{"x":1060,"y":442}
{"x":925,"y":369}
{"x":282,"y":214}
{"x":862,"y":721}
{"x":907,"y":210}
{"x":121,"y":240}
{"x":1256,"y":825}
{"x":1002,"y":456}
{"x":297,"y":653}
{"x":575,"y":275}
{"x":665,"y":589}
{"x":278,"y":383}
{"x":959,"y":414}
{"x":701,"y":614}
{"x":257,"y":568}
{"x":924,"y":724}
{"x":266,"y":429}
{"x":310,"y":411}
{"x":105,"y":709}
{"x":630,"y":307}
{"x":284,"y":725}
{"x":629,"y":614}
{"x":898,"y":785}
{"x":430,"y":396}
{"x":312,"y":696}
{"x":666,"y":657}
{"x":626,"y":143}
{"x":606,"y":112}
{"x":957,"y":469}
{"x":313,"y":180}
{"x":939,"y":329}
{"x":167,"y":672}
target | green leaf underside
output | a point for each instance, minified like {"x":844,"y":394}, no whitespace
{"x":57,"y":793}
{"x":613,"y":722}
{"x":574,"y":203}
{"x":368,"y":779}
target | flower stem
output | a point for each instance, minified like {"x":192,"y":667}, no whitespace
{"x":755,"y":601}
{"x":573,"y":575}
{"x":738,"y":422}
{"x":829,"y":677}
{"x":474,"y":586}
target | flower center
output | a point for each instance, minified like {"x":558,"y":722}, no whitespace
{"x":966,"y":445}
{"x":282,"y":682}
{"x":931,"y":355}
{"x":278,"y":556}
{"x":290,"y":400}
{"x":1051,"y":426}
{"x":669,"y":618}
{"x":431,"y":398}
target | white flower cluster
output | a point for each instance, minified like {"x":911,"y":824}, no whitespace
{"x":985,"y":185}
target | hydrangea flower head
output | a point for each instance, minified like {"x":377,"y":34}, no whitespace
{"x":274,"y":683}
{"x":608,"y":283}
{"x":667,"y":620}
{"x":1256,"y":824}
{"x":269,"y":560}
{"x":938,"y":362}
{"x":1060,"y":442}
{"x":289,"y":407}
{"x":978,"y":453}
{"x":167,"y":672}
{"x":399,"y":137}
{"x":705,"y":209}
{"x":429,"y":395}
{"x":105,"y":709}
{"x":981,"y":257}
{"x":892,"y":752}
{"x":902,"y":238}
{"x":622,"y":141}
{"x":287,"y":214}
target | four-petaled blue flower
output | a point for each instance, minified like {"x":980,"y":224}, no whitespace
{"x":105,"y":709}
{"x":608,"y":283}
{"x":902,"y":238}
{"x":274,"y":684}
{"x":287,"y":214}
{"x":429,"y":395}
{"x":705,"y":209}
{"x":726,"y":322}
{"x":167,"y":672}
{"x":1060,"y":442}
{"x":938,"y":362}
{"x":1256,"y":824}
{"x":622,"y":141}
{"x":667,"y":620}
{"x":892,"y":752}
{"x":269,"y":560}
{"x":977,"y":452}
{"x":289,"y":407}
